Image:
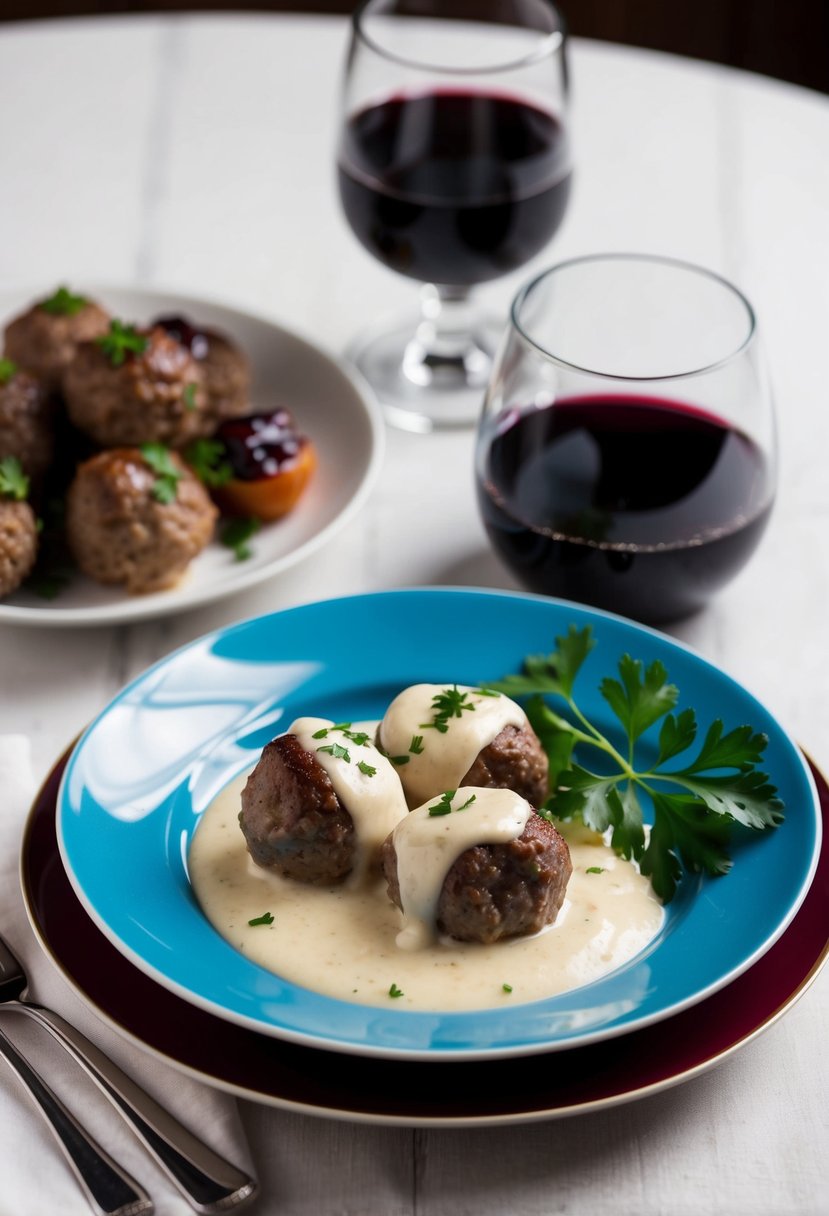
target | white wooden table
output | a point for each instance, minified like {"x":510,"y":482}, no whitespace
{"x":196,"y":153}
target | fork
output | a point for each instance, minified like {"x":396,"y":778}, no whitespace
{"x":109,"y":1188}
{"x":209,"y":1182}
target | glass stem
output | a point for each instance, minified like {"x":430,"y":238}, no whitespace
{"x":446,"y":350}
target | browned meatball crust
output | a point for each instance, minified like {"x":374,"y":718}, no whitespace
{"x":227,"y":379}
{"x":495,"y":891}
{"x":157,"y":396}
{"x":118,"y":531}
{"x":44,"y":343}
{"x":514,"y":760}
{"x":225,"y":367}
{"x":18,"y":544}
{"x":27,"y":424}
{"x":292,"y":819}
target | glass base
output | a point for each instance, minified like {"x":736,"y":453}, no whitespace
{"x":427,"y":381}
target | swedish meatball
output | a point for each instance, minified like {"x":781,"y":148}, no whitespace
{"x":320,"y":803}
{"x":27,"y":421}
{"x":292,"y":819}
{"x":225,"y":368}
{"x":514,"y":760}
{"x":44,"y":339}
{"x":18,"y":543}
{"x":466,"y":736}
{"x":507,"y":888}
{"x":119,"y":532}
{"x":147,"y":389}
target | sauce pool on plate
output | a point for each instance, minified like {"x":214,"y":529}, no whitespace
{"x":342,"y":941}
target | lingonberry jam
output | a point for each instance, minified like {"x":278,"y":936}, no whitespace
{"x":261,"y":444}
{"x":195,"y":339}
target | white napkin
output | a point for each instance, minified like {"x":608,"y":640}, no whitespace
{"x":36,"y":1178}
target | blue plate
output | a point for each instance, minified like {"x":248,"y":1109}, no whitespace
{"x":148,"y":766}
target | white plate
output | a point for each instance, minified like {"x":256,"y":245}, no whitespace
{"x":330,"y":403}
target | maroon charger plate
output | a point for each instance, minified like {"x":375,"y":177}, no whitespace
{"x":365,"y":1089}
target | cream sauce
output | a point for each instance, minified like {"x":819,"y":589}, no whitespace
{"x":365,"y":782}
{"x":443,"y":757}
{"x":342,"y":941}
{"x":428,"y":844}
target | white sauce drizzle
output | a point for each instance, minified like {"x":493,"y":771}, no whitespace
{"x":341,"y":941}
{"x":427,"y":846}
{"x":372,"y":794}
{"x":446,"y":757}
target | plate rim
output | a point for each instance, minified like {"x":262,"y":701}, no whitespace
{"x":135,"y":608}
{"x":454,"y":1053}
{"x":342,"y":1113}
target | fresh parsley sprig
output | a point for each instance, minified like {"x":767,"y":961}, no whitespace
{"x":122,"y":340}
{"x":14,"y":484}
{"x":695,"y":805}
{"x":168,"y":474}
{"x":452,"y":703}
{"x":208,"y":460}
{"x":63,"y":303}
{"x":236,"y":533}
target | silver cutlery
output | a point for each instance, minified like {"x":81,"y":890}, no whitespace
{"x":109,"y":1188}
{"x":209,"y":1182}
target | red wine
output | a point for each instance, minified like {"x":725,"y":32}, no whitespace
{"x":454,"y":187}
{"x":641,"y":506}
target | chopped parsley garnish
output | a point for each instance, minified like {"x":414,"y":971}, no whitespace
{"x":416,"y":745}
{"x":189,"y":395}
{"x":695,"y":806}
{"x":63,"y":303}
{"x":447,"y":704}
{"x":168,"y":474}
{"x":14,"y":483}
{"x":7,"y":369}
{"x":450,"y":703}
{"x":395,"y":992}
{"x":265,"y":919}
{"x":404,"y":759}
{"x":507,"y":987}
{"x":322,"y":733}
{"x":444,"y":806}
{"x":359,"y":737}
{"x":208,"y":460}
{"x":236,"y":533}
{"x":337,"y":751}
{"x":594,"y":870}
{"x":120,"y":341}
{"x":368,"y":769}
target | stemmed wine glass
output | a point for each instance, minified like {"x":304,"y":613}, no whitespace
{"x":454,"y":169}
{"x":626,"y":453}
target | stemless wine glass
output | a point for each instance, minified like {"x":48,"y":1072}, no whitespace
{"x":626,"y":453}
{"x":454,"y":169}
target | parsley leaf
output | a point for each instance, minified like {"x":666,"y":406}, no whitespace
{"x":7,"y":369}
{"x":14,"y":483}
{"x":63,"y":303}
{"x":265,"y":919}
{"x":337,"y":751}
{"x":120,"y":341}
{"x":208,"y":460}
{"x":236,"y":533}
{"x":695,"y":807}
{"x":444,"y":806}
{"x":395,"y":992}
{"x":447,"y":704}
{"x":168,"y":473}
